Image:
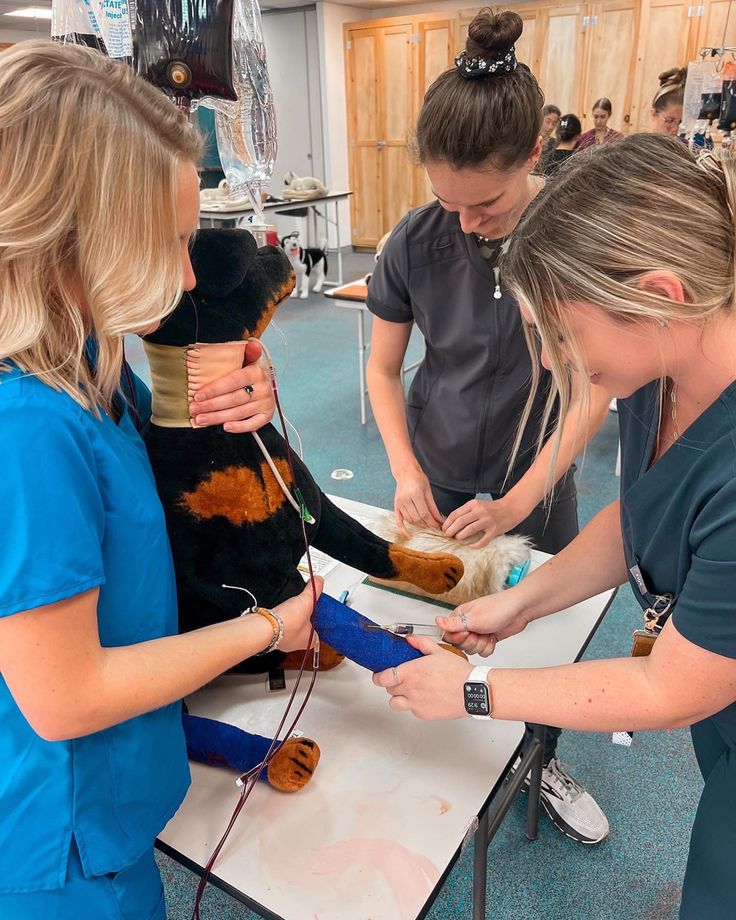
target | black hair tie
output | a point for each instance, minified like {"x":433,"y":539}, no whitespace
{"x":477,"y":68}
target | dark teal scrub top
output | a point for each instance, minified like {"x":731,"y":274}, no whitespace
{"x":80,"y":511}
{"x":679,"y":528}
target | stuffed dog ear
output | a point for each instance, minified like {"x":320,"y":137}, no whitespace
{"x":221,"y":259}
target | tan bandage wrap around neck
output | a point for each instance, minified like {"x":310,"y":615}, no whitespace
{"x":177,"y":372}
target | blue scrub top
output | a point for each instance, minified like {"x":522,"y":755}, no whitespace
{"x":679,"y":522}
{"x":80,"y":511}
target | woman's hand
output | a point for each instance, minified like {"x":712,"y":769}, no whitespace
{"x":481,"y":516}
{"x":226,"y":401}
{"x":429,"y":687}
{"x":296,"y":613}
{"x":413,"y":501}
{"x":477,"y":626}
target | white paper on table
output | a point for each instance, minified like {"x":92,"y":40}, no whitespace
{"x":322,"y":564}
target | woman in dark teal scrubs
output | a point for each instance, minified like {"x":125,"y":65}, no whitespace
{"x":624,"y":269}
{"x":99,"y":197}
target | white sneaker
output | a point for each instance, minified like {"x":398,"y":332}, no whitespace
{"x":571,"y":808}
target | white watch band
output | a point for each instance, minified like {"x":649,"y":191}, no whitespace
{"x":479,"y":675}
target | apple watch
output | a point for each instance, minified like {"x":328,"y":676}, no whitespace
{"x":477,"y":694}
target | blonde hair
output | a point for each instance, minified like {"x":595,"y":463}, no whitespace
{"x":613,"y":215}
{"x":88,"y":231}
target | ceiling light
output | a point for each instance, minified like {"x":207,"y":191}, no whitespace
{"x":31,"y":12}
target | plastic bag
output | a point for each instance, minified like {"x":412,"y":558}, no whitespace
{"x":185,"y":47}
{"x":101,"y":24}
{"x":703,"y":80}
{"x":246,"y":132}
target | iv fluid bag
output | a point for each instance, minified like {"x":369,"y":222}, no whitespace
{"x":100,"y":24}
{"x":246,"y":130}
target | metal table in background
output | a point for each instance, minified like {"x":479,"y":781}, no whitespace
{"x":312,"y":205}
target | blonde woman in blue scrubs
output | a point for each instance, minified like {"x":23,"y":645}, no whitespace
{"x":99,"y":198}
{"x":624,"y":268}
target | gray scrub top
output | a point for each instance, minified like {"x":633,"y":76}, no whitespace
{"x":467,"y":397}
{"x":678,"y":520}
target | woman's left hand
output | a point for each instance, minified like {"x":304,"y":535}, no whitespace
{"x":429,"y":687}
{"x":229,"y":401}
{"x":481,"y":516}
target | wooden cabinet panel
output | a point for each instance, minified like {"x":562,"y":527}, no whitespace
{"x":396,"y":83}
{"x":663,"y":44}
{"x":397,"y":186}
{"x":437,"y":49}
{"x":366,"y":204}
{"x":612,"y":60}
{"x":562,"y":57}
{"x":364,"y":84}
{"x":715,"y":23}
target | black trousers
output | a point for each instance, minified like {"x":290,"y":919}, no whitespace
{"x":550,"y":530}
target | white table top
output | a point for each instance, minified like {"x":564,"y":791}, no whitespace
{"x":392,"y":799}
{"x":287,"y":204}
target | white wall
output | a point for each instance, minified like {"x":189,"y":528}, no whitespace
{"x":15,"y":35}
{"x":330,"y":19}
{"x":291,"y":50}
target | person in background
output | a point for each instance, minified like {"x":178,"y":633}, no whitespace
{"x":449,"y":441}
{"x":666,"y":113}
{"x":568,"y":132}
{"x":550,"y":119}
{"x":601,"y":133}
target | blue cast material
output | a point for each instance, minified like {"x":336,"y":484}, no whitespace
{"x":345,"y":630}
{"x":519,"y":571}
{"x":222,"y":745}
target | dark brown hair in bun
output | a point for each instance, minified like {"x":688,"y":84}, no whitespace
{"x":491,"y":122}
{"x":490,"y":34}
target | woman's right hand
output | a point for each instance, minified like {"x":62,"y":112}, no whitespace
{"x":296,"y":613}
{"x":414,"y":502}
{"x":477,"y":626}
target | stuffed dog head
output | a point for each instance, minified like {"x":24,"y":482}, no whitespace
{"x":290,"y":245}
{"x":239,"y":288}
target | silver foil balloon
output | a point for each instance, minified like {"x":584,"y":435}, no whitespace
{"x":101,"y":24}
{"x":246,"y":130}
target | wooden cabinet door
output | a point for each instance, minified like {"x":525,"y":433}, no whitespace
{"x":436,"y":54}
{"x":362,"y":54}
{"x":612,"y":41}
{"x":716,"y":26}
{"x":396,"y":105}
{"x":663,"y":44}
{"x":562,"y":56}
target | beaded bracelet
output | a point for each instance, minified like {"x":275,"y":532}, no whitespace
{"x":277,"y":624}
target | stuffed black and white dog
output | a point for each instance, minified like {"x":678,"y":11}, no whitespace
{"x":307,"y":263}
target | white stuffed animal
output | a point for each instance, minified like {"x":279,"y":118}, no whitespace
{"x":302,"y":188}
{"x":307,"y":263}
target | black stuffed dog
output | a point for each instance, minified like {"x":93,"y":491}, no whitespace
{"x":229,"y":519}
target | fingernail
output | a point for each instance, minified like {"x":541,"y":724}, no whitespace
{"x":227,"y":427}
{"x":199,"y":397}
{"x":200,"y":419}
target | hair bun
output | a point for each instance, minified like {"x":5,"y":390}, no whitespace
{"x":493,"y":34}
{"x":673,"y":77}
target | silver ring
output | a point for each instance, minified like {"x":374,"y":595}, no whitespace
{"x":396,"y":677}
{"x":464,"y":621}
{"x":249,"y":390}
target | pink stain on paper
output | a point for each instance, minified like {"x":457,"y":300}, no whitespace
{"x":410,"y":876}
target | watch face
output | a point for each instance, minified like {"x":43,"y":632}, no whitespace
{"x":477,"y":698}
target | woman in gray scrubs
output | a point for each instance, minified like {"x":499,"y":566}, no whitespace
{"x":478,"y":135}
{"x":625,"y":268}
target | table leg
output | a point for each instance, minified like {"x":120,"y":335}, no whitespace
{"x":361,"y":364}
{"x":339,"y":248}
{"x":480,"y":867}
{"x":535,"y":784}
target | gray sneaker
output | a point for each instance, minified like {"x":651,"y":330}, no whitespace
{"x":571,"y":808}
